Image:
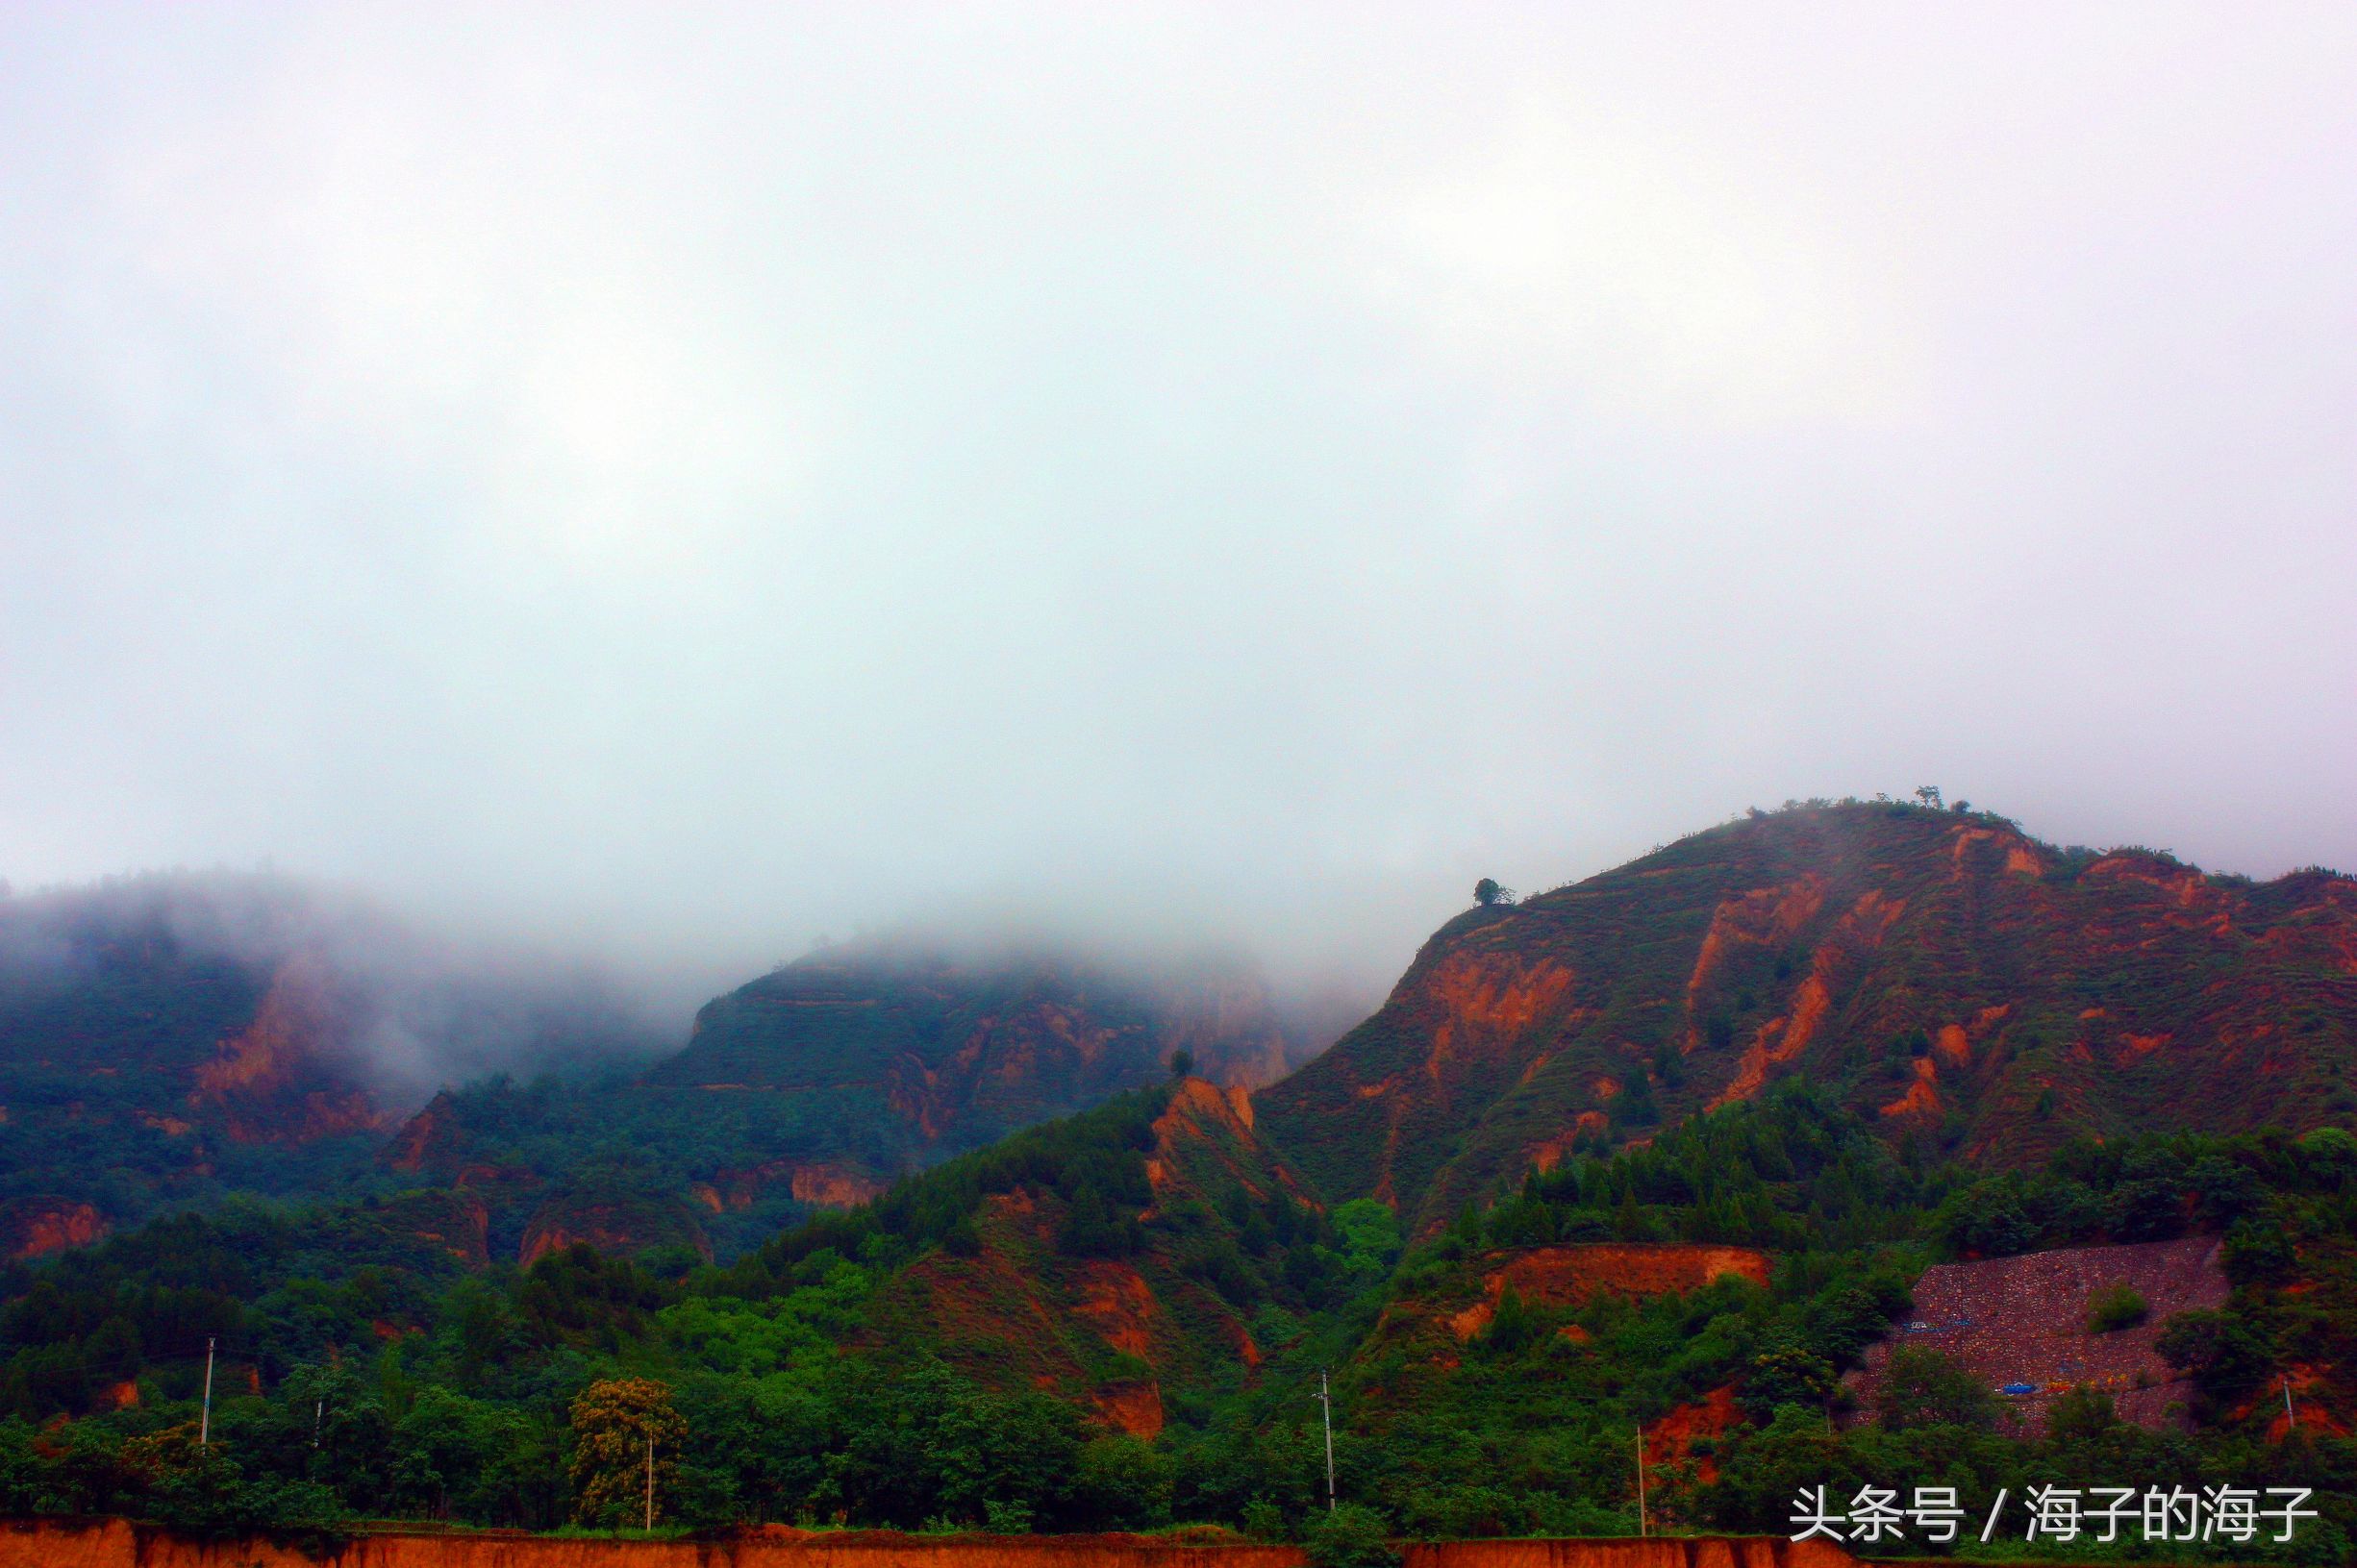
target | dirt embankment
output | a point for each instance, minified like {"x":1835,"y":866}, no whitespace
{"x":1567,"y":1276}
{"x":1671,"y":1440}
{"x":115,"y":1543}
{"x":1659,"y":1551}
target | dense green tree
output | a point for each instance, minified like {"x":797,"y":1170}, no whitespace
{"x":1924,"y":1387}
{"x":627,"y":1438}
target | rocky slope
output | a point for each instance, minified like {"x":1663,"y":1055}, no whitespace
{"x":1986,"y":993}
{"x":2021,"y":1323}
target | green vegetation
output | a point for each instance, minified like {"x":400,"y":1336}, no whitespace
{"x":2114,"y":1307}
{"x":826,"y":1377}
{"x":1121,"y":1320}
{"x":627,"y":1437}
{"x":1924,"y":1387}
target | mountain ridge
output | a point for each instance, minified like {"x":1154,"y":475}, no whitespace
{"x":1956,"y":979}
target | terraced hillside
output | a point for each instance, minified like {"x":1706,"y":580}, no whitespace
{"x":1959,"y":982}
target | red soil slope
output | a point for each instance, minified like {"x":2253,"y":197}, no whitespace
{"x":113,"y":1543}
{"x":1671,"y":1440}
{"x":1568,"y":1275}
{"x":117,"y":1544}
{"x":2024,"y":1320}
{"x":280,"y":1081}
{"x":1423,"y":1337}
{"x":1015,"y":1312}
{"x":1940,"y":972}
{"x":619,"y":1227}
{"x":31,"y":1227}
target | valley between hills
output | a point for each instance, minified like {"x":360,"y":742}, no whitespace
{"x":1781,"y":1153}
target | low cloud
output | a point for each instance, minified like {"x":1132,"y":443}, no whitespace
{"x":669,"y":486}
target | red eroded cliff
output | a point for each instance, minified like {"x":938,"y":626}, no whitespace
{"x":824,"y":1184}
{"x":31,"y":1227}
{"x":427,"y":1142}
{"x":1671,"y":1440}
{"x":115,"y":1543}
{"x":1930,"y":969}
{"x":278,"y":1079}
{"x":620,"y":1226}
{"x":1567,"y":1276}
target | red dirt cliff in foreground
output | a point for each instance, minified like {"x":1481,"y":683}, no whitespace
{"x":115,"y":1543}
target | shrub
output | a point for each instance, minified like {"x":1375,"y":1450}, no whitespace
{"x":1787,"y":1375}
{"x":1350,"y":1536}
{"x":1924,"y":1388}
{"x":2222,"y":1353}
{"x":2083,"y":1415}
{"x":2113,"y":1308}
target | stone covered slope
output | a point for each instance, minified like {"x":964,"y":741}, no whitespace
{"x":2023,"y":1322}
{"x":1966,"y":984}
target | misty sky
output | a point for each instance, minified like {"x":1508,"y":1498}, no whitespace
{"x":691,"y":479}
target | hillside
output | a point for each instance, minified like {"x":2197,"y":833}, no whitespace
{"x":1120,"y":1319}
{"x":819,"y":1083}
{"x":1766,"y":1264}
{"x":2021,"y":1323}
{"x":1145,"y":1248}
{"x":143,"y":1061}
{"x":170,"y":1039}
{"x":1942,"y":973}
{"x":949,"y":1054}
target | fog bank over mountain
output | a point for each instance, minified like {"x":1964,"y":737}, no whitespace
{"x":671,"y":486}
{"x":398,"y":1006}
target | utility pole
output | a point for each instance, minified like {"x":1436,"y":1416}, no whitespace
{"x":204,"y":1425}
{"x":1642,"y":1531}
{"x":650,"y":1483}
{"x":2290,"y":1420}
{"x":1325,"y":1399}
{"x":318,"y":1413}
